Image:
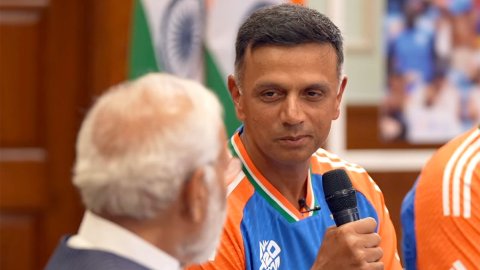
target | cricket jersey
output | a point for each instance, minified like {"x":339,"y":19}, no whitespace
{"x":265,"y":231}
{"x":441,"y":214}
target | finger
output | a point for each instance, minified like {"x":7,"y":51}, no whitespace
{"x":373,"y":254}
{"x":371,"y":240}
{"x":364,"y":226}
{"x":376,"y":266}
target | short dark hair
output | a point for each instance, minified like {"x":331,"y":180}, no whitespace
{"x":286,"y":25}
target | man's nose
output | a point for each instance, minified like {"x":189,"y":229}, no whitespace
{"x":292,"y":113}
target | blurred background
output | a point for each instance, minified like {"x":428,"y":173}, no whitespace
{"x":433,"y":69}
{"x":57,"y":56}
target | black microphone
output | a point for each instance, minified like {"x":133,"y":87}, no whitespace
{"x":303,"y":205}
{"x":340,"y":196}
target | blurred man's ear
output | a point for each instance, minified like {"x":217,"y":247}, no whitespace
{"x":195,"y":197}
{"x":236,"y":94}
{"x":341,"y":90}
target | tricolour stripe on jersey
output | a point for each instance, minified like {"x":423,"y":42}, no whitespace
{"x":311,"y":199}
{"x":267,"y":190}
{"x":459,"y":157}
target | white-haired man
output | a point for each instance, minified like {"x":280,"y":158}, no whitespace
{"x":151,"y":166}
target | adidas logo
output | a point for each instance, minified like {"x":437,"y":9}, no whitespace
{"x":269,"y":255}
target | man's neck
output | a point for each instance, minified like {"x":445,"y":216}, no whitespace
{"x":289,"y":179}
{"x":165,"y":234}
{"x":291,"y":182}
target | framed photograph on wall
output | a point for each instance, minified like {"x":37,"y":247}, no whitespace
{"x":432,"y":78}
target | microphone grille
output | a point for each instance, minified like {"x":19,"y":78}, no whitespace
{"x":338,"y":190}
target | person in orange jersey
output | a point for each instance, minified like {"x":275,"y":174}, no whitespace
{"x":441,"y":214}
{"x":287,"y":90}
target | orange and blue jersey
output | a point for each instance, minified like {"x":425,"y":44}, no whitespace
{"x":441,"y":214}
{"x":265,"y":231}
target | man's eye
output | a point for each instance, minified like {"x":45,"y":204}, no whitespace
{"x":314,"y":94}
{"x":269,"y":94}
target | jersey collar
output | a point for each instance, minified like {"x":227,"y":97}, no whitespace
{"x":266,"y":189}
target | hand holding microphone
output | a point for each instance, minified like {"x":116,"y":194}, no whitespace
{"x":353,"y":244}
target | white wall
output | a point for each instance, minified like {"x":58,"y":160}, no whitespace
{"x":361,"y":24}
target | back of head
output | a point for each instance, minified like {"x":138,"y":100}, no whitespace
{"x":141,"y":141}
{"x":286,"y":25}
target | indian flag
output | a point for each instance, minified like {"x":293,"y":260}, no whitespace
{"x":193,"y":39}
{"x":167,"y":36}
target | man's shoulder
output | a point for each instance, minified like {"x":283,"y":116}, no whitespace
{"x":452,"y":163}
{"x":464,"y":144}
{"x":324,"y":161}
{"x":239,"y":192}
{"x":66,"y":257}
{"x":240,"y":186}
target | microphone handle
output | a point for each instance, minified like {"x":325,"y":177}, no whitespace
{"x":346,"y":216}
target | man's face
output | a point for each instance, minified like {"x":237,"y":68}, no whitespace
{"x":289,"y":97}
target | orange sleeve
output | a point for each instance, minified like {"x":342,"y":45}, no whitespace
{"x":447,"y":200}
{"x":386,"y":230}
{"x":367,"y":186}
{"x":364,"y":184}
{"x":230,"y":254}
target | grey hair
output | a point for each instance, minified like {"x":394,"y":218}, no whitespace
{"x":286,"y":25}
{"x":141,"y":141}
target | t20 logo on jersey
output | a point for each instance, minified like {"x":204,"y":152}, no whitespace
{"x":269,"y":255}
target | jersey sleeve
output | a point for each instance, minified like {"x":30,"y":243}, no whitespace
{"x":409,"y":245}
{"x":366,"y":185}
{"x":388,"y":235}
{"x":447,"y":197}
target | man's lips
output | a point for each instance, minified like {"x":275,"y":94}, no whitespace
{"x":294,"y":141}
{"x":293,"y":138}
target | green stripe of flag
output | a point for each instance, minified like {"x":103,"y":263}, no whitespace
{"x":215,"y":81}
{"x":142,"y":53}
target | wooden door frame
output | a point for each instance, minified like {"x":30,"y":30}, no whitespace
{"x":92,"y":37}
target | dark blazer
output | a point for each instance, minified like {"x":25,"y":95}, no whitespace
{"x":66,"y":258}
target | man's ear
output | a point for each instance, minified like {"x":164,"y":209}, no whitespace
{"x":338,"y":99}
{"x":236,"y":95}
{"x":195,"y":197}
